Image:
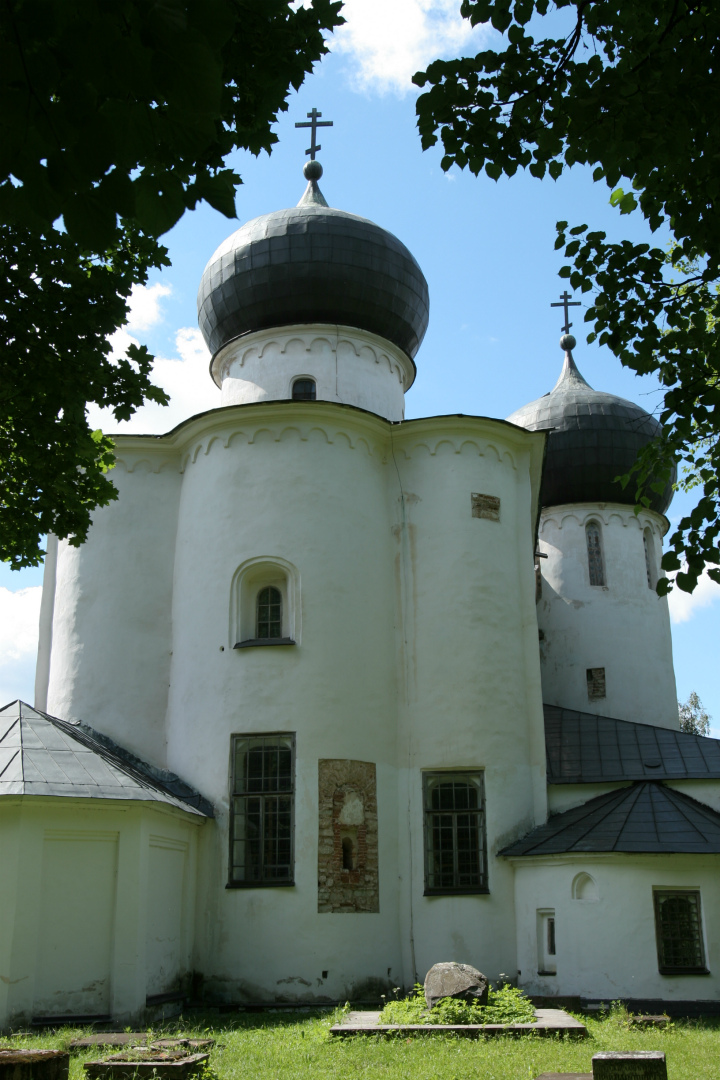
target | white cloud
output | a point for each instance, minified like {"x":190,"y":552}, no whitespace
{"x":19,"y":614}
{"x":145,"y":308}
{"x":387,"y":41}
{"x":683,"y":606}
{"x":185,"y":378}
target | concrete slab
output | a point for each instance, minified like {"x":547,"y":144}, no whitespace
{"x":548,"y":1022}
{"x":565,"y":1076}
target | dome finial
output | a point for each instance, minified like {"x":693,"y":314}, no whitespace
{"x":569,"y":376}
{"x":312,"y":169}
{"x":569,"y":373}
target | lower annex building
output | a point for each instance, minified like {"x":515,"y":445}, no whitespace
{"x":342,"y":695}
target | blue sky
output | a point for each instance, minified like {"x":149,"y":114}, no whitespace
{"x":486,"y":249}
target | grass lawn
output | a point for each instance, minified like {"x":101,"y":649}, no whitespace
{"x":267,"y":1046}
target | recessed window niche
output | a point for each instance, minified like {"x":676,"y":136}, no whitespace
{"x":584,"y":887}
{"x":264,"y":608}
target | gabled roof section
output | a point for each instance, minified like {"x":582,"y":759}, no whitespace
{"x":42,"y":755}
{"x":643,"y":818}
{"x":582,"y":748}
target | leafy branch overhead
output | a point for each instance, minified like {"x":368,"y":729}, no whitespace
{"x":116,"y":118}
{"x":632,"y":90}
{"x":131,"y":108}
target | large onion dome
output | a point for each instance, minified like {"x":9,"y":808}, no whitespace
{"x":313,"y":264}
{"x":593,"y":438}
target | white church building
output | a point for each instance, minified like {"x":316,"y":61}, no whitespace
{"x":329,"y":696}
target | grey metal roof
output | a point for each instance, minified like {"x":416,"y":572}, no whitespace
{"x":594,"y":438}
{"x":313,"y":264}
{"x":645,"y":817}
{"x":585,"y":749}
{"x":42,"y":755}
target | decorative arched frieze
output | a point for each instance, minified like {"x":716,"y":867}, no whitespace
{"x":147,"y":465}
{"x":312,"y":341}
{"x":457,"y":446}
{"x":581,"y":515}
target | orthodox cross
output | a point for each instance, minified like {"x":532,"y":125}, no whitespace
{"x":314,"y":123}
{"x":565,"y":303}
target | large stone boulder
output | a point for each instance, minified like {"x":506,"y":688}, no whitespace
{"x":455,"y":981}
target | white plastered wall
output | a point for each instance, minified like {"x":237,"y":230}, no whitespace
{"x":388,"y":565}
{"x":606,"y":947}
{"x":418,"y":651}
{"x":109,"y":626}
{"x":349,"y":366}
{"x":78,"y":893}
{"x":622,"y":626}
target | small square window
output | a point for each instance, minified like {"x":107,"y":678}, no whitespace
{"x":595,"y":683}
{"x":678,"y":929}
{"x":262,"y":810}
{"x":455,"y":847}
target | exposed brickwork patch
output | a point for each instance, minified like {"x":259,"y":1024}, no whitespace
{"x":485,"y":506}
{"x":347,"y":836}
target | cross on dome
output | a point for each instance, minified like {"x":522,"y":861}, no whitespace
{"x":314,"y":123}
{"x":565,"y":303}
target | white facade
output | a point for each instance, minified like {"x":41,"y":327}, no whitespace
{"x":410,"y":643}
{"x":373,"y":529}
{"x":98,"y":906}
{"x":605,"y":925}
{"x":621,"y":626}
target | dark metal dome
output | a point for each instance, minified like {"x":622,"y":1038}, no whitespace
{"x":594,"y":438}
{"x":313,"y":264}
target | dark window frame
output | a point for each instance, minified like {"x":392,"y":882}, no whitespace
{"x":263,"y":794}
{"x":305,"y":394}
{"x":595,"y":555}
{"x":666,"y":966}
{"x":650,"y":561}
{"x":269,"y":600}
{"x":438,"y":818}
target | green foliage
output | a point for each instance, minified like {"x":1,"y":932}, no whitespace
{"x":632,"y":89}
{"x":508,"y":1005}
{"x":693,"y":717}
{"x":130,"y":108}
{"x":117,"y":117}
{"x":58,"y":306}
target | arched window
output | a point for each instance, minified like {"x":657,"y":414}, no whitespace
{"x":595,"y":553}
{"x":348,"y":854}
{"x":650,"y":564}
{"x":304,"y":390}
{"x":269,"y":613}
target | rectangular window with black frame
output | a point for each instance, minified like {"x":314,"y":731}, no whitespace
{"x":678,"y":929}
{"x":455,"y":846}
{"x":262,"y":810}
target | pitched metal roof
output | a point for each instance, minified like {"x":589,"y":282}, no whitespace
{"x":42,"y":755}
{"x":583,"y":749}
{"x":645,"y":817}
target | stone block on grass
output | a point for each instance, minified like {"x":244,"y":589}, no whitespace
{"x":629,"y":1065}
{"x":451,"y":980}
{"x":34,"y":1064}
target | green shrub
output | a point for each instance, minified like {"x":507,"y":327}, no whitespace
{"x":505,"y":1006}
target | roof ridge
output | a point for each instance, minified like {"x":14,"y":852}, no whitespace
{"x":140,"y":781}
{"x":570,"y":834}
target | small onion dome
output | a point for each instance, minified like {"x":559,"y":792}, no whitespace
{"x":594,"y":438}
{"x":313,"y":264}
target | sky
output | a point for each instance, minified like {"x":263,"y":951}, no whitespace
{"x":487,"y":251}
